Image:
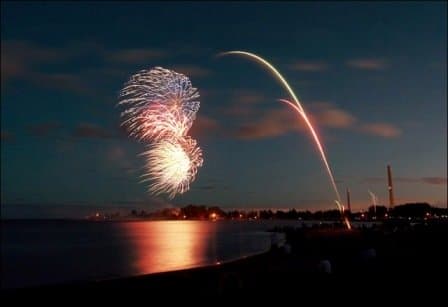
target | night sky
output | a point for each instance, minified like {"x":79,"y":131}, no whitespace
{"x":371,"y":75}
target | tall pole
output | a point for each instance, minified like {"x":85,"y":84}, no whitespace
{"x":390,"y":187}
{"x":348,"y":201}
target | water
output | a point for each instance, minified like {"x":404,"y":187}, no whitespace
{"x":48,"y":252}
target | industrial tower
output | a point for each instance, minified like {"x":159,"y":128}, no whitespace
{"x":390,"y":187}
{"x":348,"y":201}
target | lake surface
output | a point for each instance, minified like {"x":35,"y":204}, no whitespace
{"x":48,"y":252}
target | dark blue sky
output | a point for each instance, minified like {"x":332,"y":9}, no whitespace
{"x":371,"y":75}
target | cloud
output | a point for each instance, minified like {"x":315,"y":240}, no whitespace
{"x":384,"y":179}
{"x":192,"y":71}
{"x":6,"y":136}
{"x":336,"y":118}
{"x":406,"y":179}
{"x":243,"y":103}
{"x":35,"y":63}
{"x":283,"y":120}
{"x":381,"y":129}
{"x":88,"y":130}
{"x":273,"y":123}
{"x":62,"y":81}
{"x":247,"y":97}
{"x":427,"y":180}
{"x":31,"y":62}
{"x":329,"y":115}
{"x":435,"y":180}
{"x":18,"y":58}
{"x":308,"y":66}
{"x":239,"y":110}
{"x":205,"y":126}
{"x":367,"y":64}
{"x":43,"y":129}
{"x":108,"y":72}
{"x":25,"y":61}
{"x":135,"y":55}
{"x":31,"y":52}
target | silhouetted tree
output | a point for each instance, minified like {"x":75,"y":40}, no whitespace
{"x":412,"y":210}
{"x":380,"y":211}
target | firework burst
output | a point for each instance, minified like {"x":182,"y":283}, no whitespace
{"x":156,"y":122}
{"x":160,"y":86}
{"x":174,"y":163}
{"x":161,"y":107}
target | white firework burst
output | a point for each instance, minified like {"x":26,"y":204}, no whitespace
{"x":172,"y":165}
{"x":161,"y":107}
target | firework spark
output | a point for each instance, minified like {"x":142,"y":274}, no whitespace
{"x":344,"y":216}
{"x":158,"y":99}
{"x":161,"y":107}
{"x":174,"y":164}
{"x":374,"y":200}
{"x":299,"y":108}
{"x":156,"y":122}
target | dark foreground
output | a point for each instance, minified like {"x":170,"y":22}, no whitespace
{"x":388,"y":260}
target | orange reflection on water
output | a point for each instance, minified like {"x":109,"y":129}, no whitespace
{"x":159,"y":246}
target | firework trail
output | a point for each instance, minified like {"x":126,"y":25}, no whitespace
{"x":161,"y":106}
{"x":374,"y":200}
{"x":321,"y":150}
{"x":319,"y":145}
{"x":298,"y":107}
{"x":342,"y":210}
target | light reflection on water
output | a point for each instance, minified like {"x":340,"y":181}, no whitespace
{"x":43,"y":252}
{"x":170,"y":245}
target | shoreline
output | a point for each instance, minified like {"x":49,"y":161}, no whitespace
{"x":322,"y":257}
